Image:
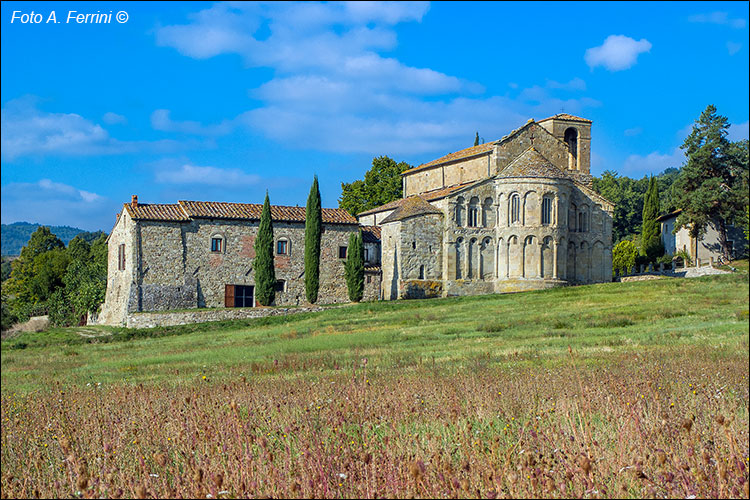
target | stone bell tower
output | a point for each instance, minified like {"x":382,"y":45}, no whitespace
{"x":576,"y":133}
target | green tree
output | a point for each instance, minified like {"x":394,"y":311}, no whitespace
{"x":651,"y":245}
{"x":476,"y":139}
{"x":711,"y":187}
{"x":624,"y":257}
{"x":381,"y":185}
{"x":354,"y":269}
{"x":313,"y":230}
{"x":25,"y":284}
{"x":265,"y":276}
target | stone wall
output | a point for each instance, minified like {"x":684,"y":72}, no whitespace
{"x":119,"y":282}
{"x":171,"y":318}
{"x":547,"y":144}
{"x":449,"y":174}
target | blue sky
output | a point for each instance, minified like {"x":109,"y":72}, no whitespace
{"x":213,"y":101}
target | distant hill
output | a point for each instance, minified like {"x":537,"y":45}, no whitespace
{"x":14,"y":236}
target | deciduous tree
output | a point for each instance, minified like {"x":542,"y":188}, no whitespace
{"x":381,"y":185}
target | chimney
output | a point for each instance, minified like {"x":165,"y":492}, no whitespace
{"x":134,"y":201}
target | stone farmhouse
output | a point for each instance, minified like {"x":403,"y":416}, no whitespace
{"x":509,"y":215}
{"x":200,"y":254}
{"x":513,"y":214}
{"x":705,"y":249}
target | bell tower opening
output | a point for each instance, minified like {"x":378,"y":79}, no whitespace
{"x":571,"y":139}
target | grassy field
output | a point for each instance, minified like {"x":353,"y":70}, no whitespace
{"x":612,"y":390}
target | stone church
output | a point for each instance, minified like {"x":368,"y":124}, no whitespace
{"x":509,"y":215}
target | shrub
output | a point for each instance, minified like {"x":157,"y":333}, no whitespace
{"x":624,"y":257}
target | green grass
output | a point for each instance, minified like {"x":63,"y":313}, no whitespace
{"x":533,"y":328}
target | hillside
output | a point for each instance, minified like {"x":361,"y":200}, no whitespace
{"x":634,"y":390}
{"x":14,"y":236}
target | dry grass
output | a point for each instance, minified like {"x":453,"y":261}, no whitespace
{"x":651,"y":425}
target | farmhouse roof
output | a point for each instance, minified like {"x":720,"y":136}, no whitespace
{"x":370,"y":234}
{"x":670,"y":215}
{"x":186,"y":210}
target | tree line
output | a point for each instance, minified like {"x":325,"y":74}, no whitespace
{"x":49,"y":278}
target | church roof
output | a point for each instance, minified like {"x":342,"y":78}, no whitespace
{"x":566,"y":116}
{"x":433,"y":195}
{"x":185,"y":210}
{"x":532,"y":163}
{"x":458,"y":155}
{"x":413,"y":205}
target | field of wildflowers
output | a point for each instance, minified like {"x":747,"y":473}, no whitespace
{"x":572,"y":418}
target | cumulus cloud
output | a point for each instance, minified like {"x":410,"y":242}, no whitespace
{"x":720,"y":18}
{"x":617,"y":53}
{"x":210,"y":176}
{"x":334,"y":90}
{"x":160,"y":120}
{"x":28,"y":131}
{"x":55,"y":203}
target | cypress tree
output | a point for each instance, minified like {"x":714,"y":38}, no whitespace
{"x":476,"y":139}
{"x":265,"y":276}
{"x":651,"y":245}
{"x":313,"y":228}
{"x":355,"y":267}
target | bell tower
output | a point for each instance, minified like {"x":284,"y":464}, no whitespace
{"x":576,"y":133}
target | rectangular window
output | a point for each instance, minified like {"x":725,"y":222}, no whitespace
{"x":342,"y":252}
{"x":216,"y":244}
{"x":369,"y":278}
{"x":282,"y":247}
{"x":473,"y":217}
{"x":279,"y":286}
{"x":367,"y":255}
{"x":121,"y":257}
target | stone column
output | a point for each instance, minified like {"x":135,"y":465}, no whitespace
{"x":556,"y":211}
{"x":554,"y":257}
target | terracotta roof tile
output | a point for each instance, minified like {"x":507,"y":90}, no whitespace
{"x":252,"y":211}
{"x":371,"y":234}
{"x":154,"y":211}
{"x":566,"y":116}
{"x":186,"y":210}
{"x":372,"y":269}
{"x":413,"y":205}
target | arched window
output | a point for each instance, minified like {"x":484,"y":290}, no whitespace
{"x":547,"y":210}
{"x":515,"y":208}
{"x":474,"y":212}
{"x":488,"y":215}
{"x":583,"y":220}
{"x":571,"y":139}
{"x":282,"y":247}
{"x":217,"y":244}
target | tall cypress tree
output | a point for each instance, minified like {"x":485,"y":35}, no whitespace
{"x":354,"y":268}
{"x":651,"y":245}
{"x":265,"y":275}
{"x":313,"y":228}
{"x":476,"y":139}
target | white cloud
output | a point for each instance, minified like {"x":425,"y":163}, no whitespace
{"x":739,"y":131}
{"x":160,"y":120}
{"x":114,"y":119}
{"x":28,"y":131}
{"x":332,"y":88}
{"x":618,"y":52}
{"x":54,"y":203}
{"x":210,"y":176}
{"x":721,"y":18}
{"x":733,"y":48}
{"x":653,"y":163}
